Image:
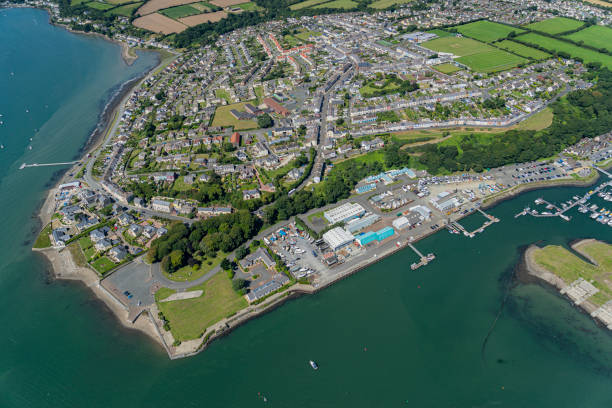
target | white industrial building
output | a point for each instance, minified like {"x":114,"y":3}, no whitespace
{"x":400,"y":223}
{"x":421,"y":209}
{"x":344,"y":212}
{"x":445,"y":201}
{"x":337,"y":238}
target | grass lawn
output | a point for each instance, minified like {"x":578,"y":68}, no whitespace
{"x":487,"y":31}
{"x":43,"y":240}
{"x":555,"y":25}
{"x":319,"y":214}
{"x":75,"y":2}
{"x":522,"y":50}
{"x":118,"y":1}
{"x":223,"y":117}
{"x":77,"y":255}
{"x":460,"y":46}
{"x":447,"y":68}
{"x":570,"y":267}
{"x":305,"y":4}
{"x":250,"y":6}
{"x":103,"y":265}
{"x":305,"y":35}
{"x":441,"y":33}
{"x":99,"y":6}
{"x":382,"y":4}
{"x":85,"y":243}
{"x":189,"y":318}
{"x":369,"y":89}
{"x":222,"y":93}
{"x":338,"y":4}
{"x":491,"y":61}
{"x":163,"y":293}
{"x":187,"y":273}
{"x":539,"y":121}
{"x":179,"y":185}
{"x":126,"y":10}
{"x":180,"y":11}
{"x":259,"y":93}
{"x":596,"y":36}
{"x":553,"y":44}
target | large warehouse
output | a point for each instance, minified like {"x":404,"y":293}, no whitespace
{"x":344,"y":212}
{"x":337,"y":238}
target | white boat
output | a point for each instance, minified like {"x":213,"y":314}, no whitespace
{"x":313,"y":365}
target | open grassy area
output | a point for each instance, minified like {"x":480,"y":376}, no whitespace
{"x":187,"y":273}
{"x":43,"y":240}
{"x":382,"y":4}
{"x":369,"y":89}
{"x":76,"y":2}
{"x":555,"y":25}
{"x":441,"y":33}
{"x":539,"y":121}
{"x":126,"y":10}
{"x":491,"y":61}
{"x":306,"y":35}
{"x":522,"y":50}
{"x":553,"y":44}
{"x":77,"y":255}
{"x":307,"y":3}
{"x":460,"y":46}
{"x":447,"y":68}
{"x":338,"y":4}
{"x":595,"y":36}
{"x":102,"y":265}
{"x":222,"y":94}
{"x":250,"y":6}
{"x":180,"y":11}
{"x":570,"y":267}
{"x":99,"y":6}
{"x":223,"y":117}
{"x":487,"y":31}
{"x":189,"y":318}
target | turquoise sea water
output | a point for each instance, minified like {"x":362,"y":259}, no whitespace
{"x":385,"y":337}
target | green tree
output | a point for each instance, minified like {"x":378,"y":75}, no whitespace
{"x":264,"y":121}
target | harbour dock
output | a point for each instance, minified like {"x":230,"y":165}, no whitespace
{"x":424,"y":260}
{"x":24,"y":165}
{"x":490,"y":220}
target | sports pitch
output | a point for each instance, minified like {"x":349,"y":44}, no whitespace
{"x":522,"y":50}
{"x":487,"y":31}
{"x":555,"y":25}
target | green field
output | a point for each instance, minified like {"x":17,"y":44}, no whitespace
{"x":338,"y":4}
{"x":522,"y":50}
{"x":305,"y":4}
{"x":441,"y":33}
{"x":99,"y":6}
{"x":76,"y":2}
{"x":306,"y":35}
{"x":460,"y":46}
{"x":250,"y":6}
{"x":447,"y":68}
{"x":180,"y":11}
{"x":188,"y":273}
{"x":369,"y":89}
{"x":126,"y":10}
{"x":555,"y":25}
{"x":43,"y":240}
{"x":383,"y":4}
{"x":491,"y":61}
{"x":570,"y":267}
{"x":223,"y":117}
{"x":117,"y":2}
{"x":222,"y":94}
{"x":102,"y":265}
{"x":553,"y":44}
{"x":487,"y":31}
{"x":594,"y":36}
{"x":189,"y":318}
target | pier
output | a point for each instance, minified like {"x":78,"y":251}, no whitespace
{"x":424,"y":260}
{"x":490,"y":220}
{"x":603,"y":171}
{"x":24,"y":165}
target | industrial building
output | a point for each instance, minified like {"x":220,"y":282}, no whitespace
{"x":445,"y":201}
{"x":338,"y":238}
{"x":421,"y":209}
{"x":344,"y":213}
{"x":358,"y":224}
{"x":372,"y":236}
{"x":401,"y":223}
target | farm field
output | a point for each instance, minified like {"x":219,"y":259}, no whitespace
{"x":203,"y":18}
{"x":76,"y":2}
{"x":159,"y":23}
{"x":555,"y":25}
{"x":594,"y":36}
{"x":154,"y":5}
{"x":447,"y":68}
{"x":522,"y":50}
{"x":99,"y":6}
{"x":250,"y":6}
{"x":382,"y":4}
{"x":188,"y":318}
{"x":177,"y":12}
{"x":460,"y":46}
{"x":118,"y":2}
{"x":338,"y":4}
{"x":226,"y":3}
{"x":223,"y":117}
{"x":304,"y":4}
{"x":575,"y":51}
{"x":125,"y":10}
{"x":487,"y":31}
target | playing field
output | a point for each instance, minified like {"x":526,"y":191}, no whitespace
{"x":596,"y":36}
{"x":555,"y":25}
{"x":338,"y":4}
{"x":575,"y":51}
{"x":447,"y":68}
{"x":460,"y":46}
{"x":224,"y":118}
{"x":180,"y":11}
{"x":491,"y":61}
{"x":382,"y":4}
{"x":441,"y":33}
{"x":487,"y":31}
{"x":522,"y":50}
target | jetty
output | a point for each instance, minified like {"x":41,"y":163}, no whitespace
{"x":24,"y":165}
{"x":490,"y":220}
{"x":424,"y":260}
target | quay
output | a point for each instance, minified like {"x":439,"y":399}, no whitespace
{"x":424,"y":260}
{"x":24,"y":165}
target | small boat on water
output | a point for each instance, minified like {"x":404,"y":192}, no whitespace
{"x":313,"y":365}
